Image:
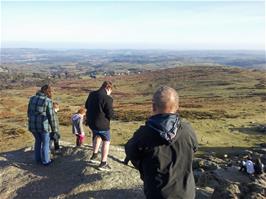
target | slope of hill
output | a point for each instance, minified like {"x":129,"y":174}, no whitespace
{"x":72,"y":176}
{"x":225,"y":105}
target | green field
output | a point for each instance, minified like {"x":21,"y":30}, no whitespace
{"x":226,"y":106}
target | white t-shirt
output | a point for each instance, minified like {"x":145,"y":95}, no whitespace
{"x":250,"y":167}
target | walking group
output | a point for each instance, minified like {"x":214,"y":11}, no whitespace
{"x":252,"y":168}
{"x":162,"y":149}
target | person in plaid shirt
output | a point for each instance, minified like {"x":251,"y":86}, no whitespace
{"x":41,"y":122}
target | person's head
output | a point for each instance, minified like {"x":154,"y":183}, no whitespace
{"x":56,"y":106}
{"x":82,"y":111}
{"x":108,"y":86}
{"x":47,"y":90}
{"x":165,"y":100}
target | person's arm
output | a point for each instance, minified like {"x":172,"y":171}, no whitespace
{"x":87,"y":102}
{"x":193,"y":137}
{"x":57,"y":125}
{"x":29,"y":106}
{"x":108,"y":108}
{"x":134,"y":148}
{"x":50,"y":115}
{"x":195,"y":142}
{"x":81,"y":126}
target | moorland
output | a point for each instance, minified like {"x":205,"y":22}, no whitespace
{"x":225,"y":104}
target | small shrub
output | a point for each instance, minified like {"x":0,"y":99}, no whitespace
{"x":132,"y":115}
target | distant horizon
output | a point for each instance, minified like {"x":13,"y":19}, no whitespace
{"x":108,"y":46}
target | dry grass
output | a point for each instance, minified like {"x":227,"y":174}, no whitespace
{"x":220,"y":102}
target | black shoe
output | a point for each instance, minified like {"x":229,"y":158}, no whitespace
{"x":93,"y":158}
{"x":104,"y":167}
{"x":125,"y":162}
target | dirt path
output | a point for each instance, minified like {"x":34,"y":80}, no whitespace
{"x":71,"y":176}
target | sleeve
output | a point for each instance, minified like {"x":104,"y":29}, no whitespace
{"x":29,"y":106}
{"x":56,"y":123}
{"x":108,"y":108}
{"x":81,"y":125}
{"x":194,"y":140}
{"x":50,"y":115}
{"x":133,"y":147}
{"x":87,"y":102}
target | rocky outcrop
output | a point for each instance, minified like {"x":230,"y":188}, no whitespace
{"x":72,"y":176}
{"x":223,"y":176}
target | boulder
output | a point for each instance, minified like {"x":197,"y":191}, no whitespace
{"x":256,"y":189}
{"x":210,"y":179}
{"x":204,"y":164}
{"x":197,"y":173}
{"x":227,"y":190}
{"x":203,"y":193}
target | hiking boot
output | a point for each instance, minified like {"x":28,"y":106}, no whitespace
{"x":93,"y":158}
{"x":104,"y":167}
{"x":125,"y":161}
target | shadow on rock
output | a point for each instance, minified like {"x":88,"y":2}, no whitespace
{"x":111,"y":193}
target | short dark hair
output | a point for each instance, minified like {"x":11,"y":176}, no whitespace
{"x":47,"y":89}
{"x":107,"y":85}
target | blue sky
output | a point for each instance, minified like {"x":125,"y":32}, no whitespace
{"x":166,"y":25}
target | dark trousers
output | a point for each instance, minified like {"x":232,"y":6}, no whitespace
{"x":79,"y":140}
{"x":54,"y":137}
{"x":55,"y":143}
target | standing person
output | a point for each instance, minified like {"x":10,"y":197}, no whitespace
{"x":77,"y":126}
{"x":55,"y":136}
{"x":99,"y":107}
{"x":162,"y":150}
{"x":258,"y":167}
{"x":41,"y":123}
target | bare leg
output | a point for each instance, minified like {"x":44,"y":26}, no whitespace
{"x":96,"y":144}
{"x":105,"y":150}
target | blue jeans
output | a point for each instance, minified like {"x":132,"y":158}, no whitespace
{"x":41,"y":147}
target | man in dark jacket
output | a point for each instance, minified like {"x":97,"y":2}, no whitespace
{"x":162,"y":150}
{"x":99,"y":107}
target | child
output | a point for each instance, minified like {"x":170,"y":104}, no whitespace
{"x":55,"y":136}
{"x":77,"y":126}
